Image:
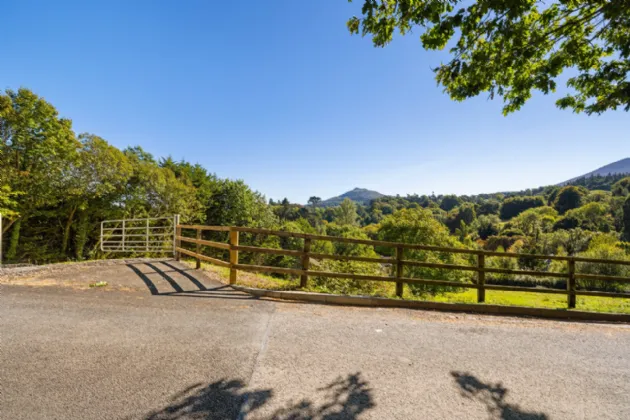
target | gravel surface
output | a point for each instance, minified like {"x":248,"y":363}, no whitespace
{"x":161,"y":341}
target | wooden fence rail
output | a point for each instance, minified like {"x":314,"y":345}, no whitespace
{"x":397,"y":263}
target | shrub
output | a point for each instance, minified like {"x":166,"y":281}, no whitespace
{"x":417,"y":226}
{"x":603,"y":247}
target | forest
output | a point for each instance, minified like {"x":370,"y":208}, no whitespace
{"x":56,"y":186}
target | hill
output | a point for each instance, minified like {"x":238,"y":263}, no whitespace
{"x":619,"y":167}
{"x":358,"y":195}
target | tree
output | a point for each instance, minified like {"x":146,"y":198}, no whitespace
{"x":621,"y":188}
{"x":488,"y":225}
{"x":418,"y":226}
{"x":510,"y":49}
{"x":514,"y":206}
{"x":449,"y":202}
{"x":36,"y":146}
{"x":488,"y":207}
{"x":626,"y":220}
{"x":235,"y":204}
{"x":569,"y":198}
{"x":314,"y":201}
{"x":346,"y":213}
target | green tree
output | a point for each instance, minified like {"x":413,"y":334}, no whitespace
{"x":626,"y":220}
{"x":621,"y":188}
{"x":235,"y":204}
{"x":514,"y":206}
{"x":346,"y":213}
{"x":568,"y":198}
{"x":488,"y":225}
{"x":418,"y":226}
{"x":449,"y":202}
{"x":488,"y":207}
{"x":314,"y":201}
{"x":510,"y":49}
{"x":36,"y":146}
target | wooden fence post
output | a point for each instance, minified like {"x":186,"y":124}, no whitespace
{"x":571,"y":285}
{"x":123,"y":235}
{"x":305,"y":261}
{"x":198,"y":249}
{"x":233,"y":255}
{"x":147,"y":238}
{"x":178,"y":242}
{"x":481,"y":278}
{"x":399,"y":270}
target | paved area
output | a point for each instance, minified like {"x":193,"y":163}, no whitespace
{"x":162,"y":341}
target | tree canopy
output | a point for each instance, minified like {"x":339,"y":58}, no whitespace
{"x":510,"y":49}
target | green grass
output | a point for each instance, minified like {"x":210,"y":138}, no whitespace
{"x":493,"y":297}
{"x":99,"y":284}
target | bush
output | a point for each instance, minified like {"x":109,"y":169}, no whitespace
{"x":417,"y":226}
{"x":341,"y":285}
{"x":500,"y":242}
{"x":603,"y":247}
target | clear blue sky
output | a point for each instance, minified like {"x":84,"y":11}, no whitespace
{"x":279,"y":94}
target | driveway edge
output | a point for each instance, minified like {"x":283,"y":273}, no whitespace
{"x":437,"y":306}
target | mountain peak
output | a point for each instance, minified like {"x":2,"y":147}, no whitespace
{"x":358,"y":195}
{"x":620,"y":167}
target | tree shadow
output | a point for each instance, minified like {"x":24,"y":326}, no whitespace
{"x":216,"y":401}
{"x":493,"y":396}
{"x":343,"y":399}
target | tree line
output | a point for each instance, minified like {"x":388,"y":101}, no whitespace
{"x":57,"y":186}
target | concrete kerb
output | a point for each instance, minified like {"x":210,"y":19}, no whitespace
{"x":437,"y":306}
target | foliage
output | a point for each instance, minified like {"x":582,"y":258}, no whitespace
{"x":488,"y":207}
{"x":417,"y":226}
{"x":533,"y":222}
{"x":346,"y":213}
{"x":347,"y":286}
{"x":603,"y":247}
{"x":488,"y":225}
{"x":514,"y":206}
{"x":449,"y":202}
{"x":626,"y":219}
{"x":57,"y":187}
{"x":622,"y":187}
{"x":510,"y":49}
{"x":569,"y":198}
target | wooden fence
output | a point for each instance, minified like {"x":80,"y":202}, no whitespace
{"x":397,"y":262}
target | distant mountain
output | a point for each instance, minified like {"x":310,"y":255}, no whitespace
{"x":619,"y":167}
{"x":358,"y":195}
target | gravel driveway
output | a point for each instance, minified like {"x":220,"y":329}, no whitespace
{"x":162,"y":341}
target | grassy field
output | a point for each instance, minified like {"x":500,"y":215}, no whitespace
{"x":495,"y":297}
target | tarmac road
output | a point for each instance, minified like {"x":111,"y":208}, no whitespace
{"x":162,"y":341}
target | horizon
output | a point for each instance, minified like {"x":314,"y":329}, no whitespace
{"x":306,"y":110}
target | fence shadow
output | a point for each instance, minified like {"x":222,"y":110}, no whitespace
{"x":493,"y":397}
{"x":343,"y":399}
{"x":200,"y":290}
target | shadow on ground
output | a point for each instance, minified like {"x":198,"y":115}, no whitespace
{"x":345,"y":398}
{"x":493,"y":397}
{"x":170,"y":275}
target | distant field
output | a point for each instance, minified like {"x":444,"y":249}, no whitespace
{"x":496,"y":297}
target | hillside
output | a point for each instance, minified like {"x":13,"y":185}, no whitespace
{"x":619,"y":167}
{"x":358,"y":195}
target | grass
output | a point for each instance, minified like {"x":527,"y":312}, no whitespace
{"x":99,"y":284}
{"x":493,"y":297}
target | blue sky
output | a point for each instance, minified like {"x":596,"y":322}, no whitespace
{"x":279,"y":94}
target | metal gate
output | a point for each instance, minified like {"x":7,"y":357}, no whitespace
{"x":155,"y":234}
